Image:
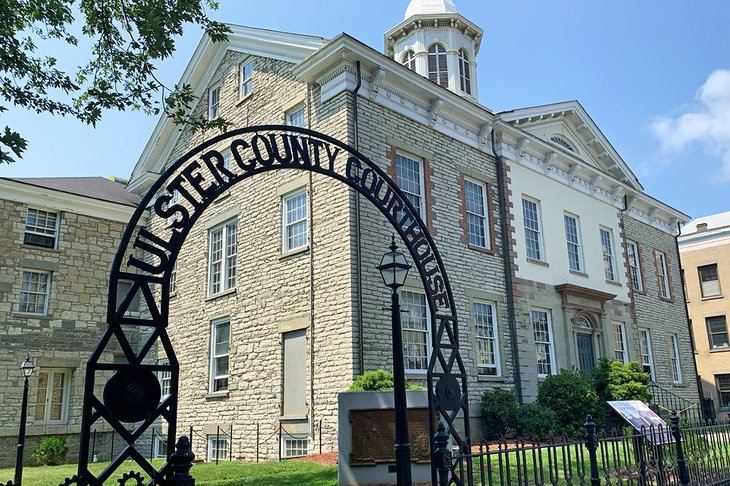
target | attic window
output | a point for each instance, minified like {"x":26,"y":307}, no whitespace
{"x":562,"y":142}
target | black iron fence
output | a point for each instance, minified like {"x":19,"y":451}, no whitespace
{"x":653,"y":456}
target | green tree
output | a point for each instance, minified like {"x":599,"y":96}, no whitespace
{"x":571,"y":396}
{"x":499,"y":409}
{"x":127,"y":38}
{"x":615,"y":380}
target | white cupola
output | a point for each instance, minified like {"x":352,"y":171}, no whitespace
{"x":437,"y":42}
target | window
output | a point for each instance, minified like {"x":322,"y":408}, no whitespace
{"x":562,"y":142}
{"x":609,"y":263}
{"x":674,"y":358}
{"x":222,"y":258}
{"x":542,"y":327}
{"x":464,"y":73}
{"x":173,"y":279}
{"x":572,"y":238}
{"x":485,"y":330}
{"x":437,"y":70}
{"x":409,"y":177}
{"x":294,"y":221}
{"x":717,"y":332}
{"x":160,"y":447}
{"x":41,"y":228}
{"x":409,"y":59}
{"x":165,"y":378}
{"x":293,"y":445}
{"x":647,"y":358}
{"x":245,"y":79}
{"x":723,"y":390}
{"x":51,"y":405}
{"x":632,"y":254}
{"x":123,"y":289}
{"x":533,"y":237}
{"x":477,"y":223}
{"x":663,"y":273}
{"x":35,"y":287}
{"x":295,"y":117}
{"x":416,"y":330}
{"x":219,"y":340}
{"x":214,"y":102}
{"x":709,"y":281}
{"x":174,"y":200}
{"x":295,"y":374}
{"x":619,"y":342}
{"x":218,"y":446}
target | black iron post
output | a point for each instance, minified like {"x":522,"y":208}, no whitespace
{"x":591,"y":445}
{"x":182,"y":461}
{"x":442,"y":456}
{"x":394,"y":270}
{"x":677,"y":433}
{"x":26,"y":368}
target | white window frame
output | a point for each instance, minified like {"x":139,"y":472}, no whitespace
{"x":664,"y":289}
{"x":222,"y":260}
{"x":536,"y":232}
{"x":645,"y":351}
{"x":173,"y":279}
{"x":409,"y":59}
{"x":484,"y":340}
{"x":165,"y":379}
{"x":464,"y":71}
{"x":440,"y":74}
{"x":291,"y":114}
{"x":722,"y":405}
{"x":400,"y":156}
{"x":675,"y":363}
{"x":214,"y":355}
{"x":550,"y":344}
{"x":711,"y":334}
{"x":160,"y":447}
{"x":576,"y":244}
{"x":123,"y":289}
{"x":25,"y":290}
{"x":245,"y":82}
{"x":214,"y":444}
{"x":287,"y":445}
{"x":44,"y":230}
{"x":620,"y":348}
{"x":49,"y":394}
{"x":287,"y":223}
{"x":408,"y":329}
{"x":634,"y":261}
{"x":483,"y":217}
{"x":608,"y":250}
{"x":214,"y":102}
{"x":709,"y":290}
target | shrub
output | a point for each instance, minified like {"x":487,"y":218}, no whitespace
{"x":535,"y":421}
{"x":571,"y":396}
{"x":51,"y":451}
{"x":377,"y":380}
{"x":499,"y":409}
{"x":615,"y":380}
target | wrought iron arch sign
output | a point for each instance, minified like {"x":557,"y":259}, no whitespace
{"x":146,"y":259}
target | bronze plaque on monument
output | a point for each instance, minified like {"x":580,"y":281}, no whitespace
{"x":373,"y":436}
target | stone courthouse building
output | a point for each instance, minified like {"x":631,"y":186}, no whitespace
{"x":555,"y":254}
{"x":59,"y":236}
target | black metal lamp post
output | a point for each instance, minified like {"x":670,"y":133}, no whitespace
{"x":394,"y":269}
{"x":27,"y":369}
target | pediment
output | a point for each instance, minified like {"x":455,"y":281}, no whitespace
{"x":568,"y":127}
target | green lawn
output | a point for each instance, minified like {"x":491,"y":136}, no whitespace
{"x":287,"y":473}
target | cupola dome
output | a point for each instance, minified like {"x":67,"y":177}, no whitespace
{"x":425,"y":7}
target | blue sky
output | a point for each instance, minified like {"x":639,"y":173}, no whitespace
{"x":653,"y":74}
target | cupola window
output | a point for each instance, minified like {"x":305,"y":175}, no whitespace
{"x":409,"y":60}
{"x":437,"y":71}
{"x":464,"y":73}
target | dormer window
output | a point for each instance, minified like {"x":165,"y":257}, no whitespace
{"x":437,"y":71}
{"x":562,"y":142}
{"x":464,"y":73}
{"x":409,"y":59}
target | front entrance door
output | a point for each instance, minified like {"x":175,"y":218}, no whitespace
{"x":586,"y":358}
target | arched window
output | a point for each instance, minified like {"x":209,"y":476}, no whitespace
{"x":464,"y":72}
{"x":437,"y":71}
{"x":562,"y":142}
{"x":409,"y":59}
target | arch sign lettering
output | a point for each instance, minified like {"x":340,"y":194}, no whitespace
{"x":125,"y":393}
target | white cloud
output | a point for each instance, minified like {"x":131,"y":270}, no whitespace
{"x":708,"y":125}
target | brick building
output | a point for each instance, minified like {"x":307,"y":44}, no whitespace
{"x":704,"y":246}
{"x":59,"y":236}
{"x":548,"y":238}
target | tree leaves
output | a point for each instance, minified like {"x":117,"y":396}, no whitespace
{"x":128,"y":37}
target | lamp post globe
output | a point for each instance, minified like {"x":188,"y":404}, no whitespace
{"x":26,"y":369}
{"x":394,"y":270}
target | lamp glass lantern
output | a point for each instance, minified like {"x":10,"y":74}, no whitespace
{"x":394,"y":267}
{"x":27,"y":367}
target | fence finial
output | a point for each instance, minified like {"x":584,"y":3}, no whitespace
{"x":682,"y":465}
{"x":591,"y":445}
{"x":182,"y":461}
{"x":442,"y":456}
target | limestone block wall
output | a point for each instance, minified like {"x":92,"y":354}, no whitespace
{"x":63,"y":339}
{"x":663,"y":316}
